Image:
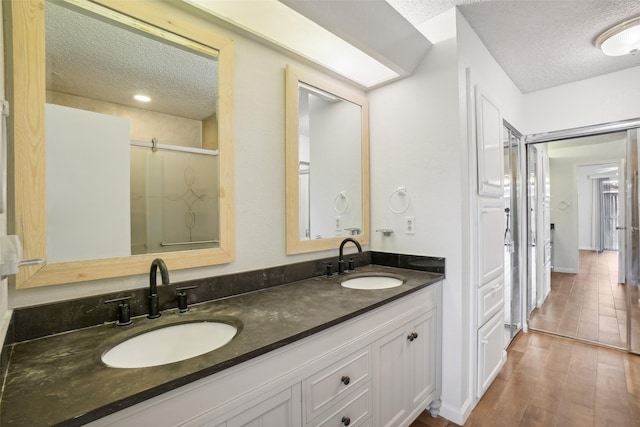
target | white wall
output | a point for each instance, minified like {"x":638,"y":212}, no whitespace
{"x":259,"y":151}
{"x":415,"y":143}
{"x":335,"y":135}
{"x":607,"y":98}
{"x":419,"y":140}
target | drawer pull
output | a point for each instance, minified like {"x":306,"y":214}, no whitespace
{"x":345,"y":380}
{"x":412,"y":336}
{"x":346,"y":421}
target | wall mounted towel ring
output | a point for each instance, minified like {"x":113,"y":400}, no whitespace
{"x":401,"y":192}
{"x":341,"y":200}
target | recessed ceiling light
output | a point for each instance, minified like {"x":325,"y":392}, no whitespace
{"x":621,"y":39}
{"x":142,"y":98}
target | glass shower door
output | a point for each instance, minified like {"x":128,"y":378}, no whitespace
{"x":512,"y":243}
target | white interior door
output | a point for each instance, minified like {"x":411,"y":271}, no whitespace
{"x":543,"y":229}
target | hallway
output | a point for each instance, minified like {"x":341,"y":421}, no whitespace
{"x":553,"y":381}
{"x":590,"y":305}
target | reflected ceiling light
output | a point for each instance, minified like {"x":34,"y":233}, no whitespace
{"x":621,"y":39}
{"x":141,"y":98}
{"x":277,"y":23}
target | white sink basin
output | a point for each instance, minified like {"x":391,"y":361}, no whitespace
{"x":372,"y":282}
{"x":169,"y":344}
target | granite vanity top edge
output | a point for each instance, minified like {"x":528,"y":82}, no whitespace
{"x":420,"y":280}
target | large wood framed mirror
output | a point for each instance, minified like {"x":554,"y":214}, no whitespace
{"x":327,"y":162}
{"x":103,"y":184}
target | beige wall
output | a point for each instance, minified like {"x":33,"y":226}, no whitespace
{"x":145,"y":125}
{"x":210,"y":133}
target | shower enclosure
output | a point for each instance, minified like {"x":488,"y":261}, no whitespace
{"x":174,"y":198}
{"x":513,"y":282}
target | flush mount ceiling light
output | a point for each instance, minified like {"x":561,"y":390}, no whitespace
{"x":277,"y":23}
{"x":621,"y":39}
{"x":142,"y":98}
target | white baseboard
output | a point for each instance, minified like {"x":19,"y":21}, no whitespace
{"x":565,"y":270}
{"x":455,"y":414}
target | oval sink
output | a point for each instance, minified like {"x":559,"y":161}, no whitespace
{"x":169,"y":344}
{"x":372,"y":282}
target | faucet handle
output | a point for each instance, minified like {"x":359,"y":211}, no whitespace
{"x":124,"y":314}
{"x":351,"y":266}
{"x":328,"y":268}
{"x":183,"y":304}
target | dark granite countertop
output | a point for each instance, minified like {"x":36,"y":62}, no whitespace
{"x":60,"y":380}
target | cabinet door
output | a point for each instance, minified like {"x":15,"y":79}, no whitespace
{"x":423,"y":357}
{"x":491,"y":354}
{"x":282,"y":410}
{"x":489,"y":146}
{"x":392,"y":386}
{"x":490,"y":239}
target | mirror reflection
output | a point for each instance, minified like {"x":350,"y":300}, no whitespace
{"x":131,"y":138}
{"x":327,"y":162}
{"x":330,"y":172}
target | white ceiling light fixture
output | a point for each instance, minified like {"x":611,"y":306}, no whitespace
{"x":621,"y":39}
{"x":141,"y":98}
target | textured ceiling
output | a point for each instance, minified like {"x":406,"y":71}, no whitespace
{"x":90,"y":58}
{"x":539,"y":44}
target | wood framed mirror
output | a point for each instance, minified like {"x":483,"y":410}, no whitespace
{"x":29,"y":91}
{"x":327,"y":162}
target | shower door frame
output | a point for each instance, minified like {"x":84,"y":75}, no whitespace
{"x":517,"y":281}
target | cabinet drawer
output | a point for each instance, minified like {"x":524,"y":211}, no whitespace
{"x":354,"y":410}
{"x":333,"y":382}
{"x":490,"y":300}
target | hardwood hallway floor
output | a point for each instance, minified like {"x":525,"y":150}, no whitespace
{"x":590,"y":305}
{"x":553,"y":381}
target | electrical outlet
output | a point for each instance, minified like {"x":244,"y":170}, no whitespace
{"x":338,"y":222}
{"x":409,"y":225}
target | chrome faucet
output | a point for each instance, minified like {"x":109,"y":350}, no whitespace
{"x":154,"y":311}
{"x":341,"y":256}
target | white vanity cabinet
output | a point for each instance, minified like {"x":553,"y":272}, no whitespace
{"x":406,"y":363}
{"x":282,"y":410}
{"x":379,"y":368}
{"x":337,"y":383}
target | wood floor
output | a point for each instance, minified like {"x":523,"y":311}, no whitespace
{"x":590,"y":305}
{"x":553,"y":381}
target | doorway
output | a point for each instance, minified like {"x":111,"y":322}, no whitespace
{"x":513,"y":281}
{"x":587,"y":297}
